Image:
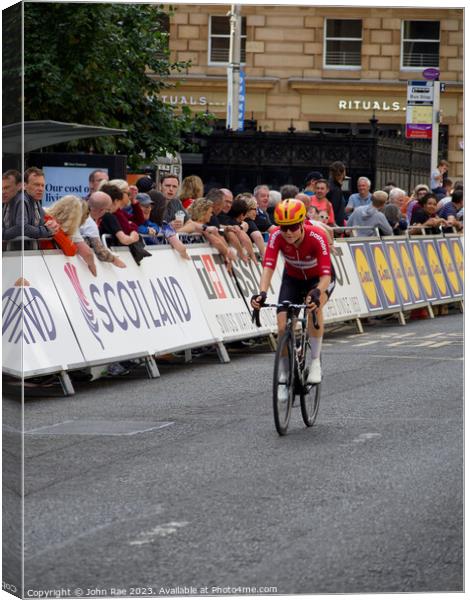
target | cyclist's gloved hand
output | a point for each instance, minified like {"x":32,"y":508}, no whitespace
{"x":314,"y":297}
{"x":258,"y":300}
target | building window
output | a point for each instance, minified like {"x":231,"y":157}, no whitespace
{"x":219,"y":40}
{"x":343,"y":41}
{"x":420,"y":44}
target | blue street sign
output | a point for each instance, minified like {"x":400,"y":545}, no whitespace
{"x":241,"y":102}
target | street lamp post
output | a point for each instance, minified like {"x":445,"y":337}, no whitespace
{"x":233,"y":69}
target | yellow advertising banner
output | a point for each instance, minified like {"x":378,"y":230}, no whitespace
{"x":410,"y":273}
{"x":385,"y":275}
{"x":422,"y":270}
{"x":450,"y":267}
{"x":436,"y":270}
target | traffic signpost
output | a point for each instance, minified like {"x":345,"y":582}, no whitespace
{"x":423,"y":110}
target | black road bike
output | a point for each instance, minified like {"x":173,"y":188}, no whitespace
{"x":294,"y":345}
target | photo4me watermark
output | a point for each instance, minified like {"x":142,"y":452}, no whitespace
{"x":150,"y":591}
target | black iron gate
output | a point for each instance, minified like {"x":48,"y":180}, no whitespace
{"x":242,"y":160}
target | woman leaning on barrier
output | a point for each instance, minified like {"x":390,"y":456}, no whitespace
{"x":70,"y":212}
{"x":425,"y":217}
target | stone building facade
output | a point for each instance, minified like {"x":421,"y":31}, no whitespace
{"x":315,"y":66}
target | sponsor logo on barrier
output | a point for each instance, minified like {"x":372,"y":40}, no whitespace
{"x":450,"y":268}
{"x":399,"y":275}
{"x":366,"y":277}
{"x":87,"y":311}
{"x":212,"y":272}
{"x":422,"y":271}
{"x":436,"y":270}
{"x":217,"y":282}
{"x":410,"y":273}
{"x":26,"y":316}
{"x":458,"y":256}
{"x":214,"y":278}
{"x":385,"y":276}
{"x":125,"y":305}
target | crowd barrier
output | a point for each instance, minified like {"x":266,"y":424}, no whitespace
{"x":58,"y":317}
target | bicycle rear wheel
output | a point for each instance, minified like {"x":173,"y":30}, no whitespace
{"x":309,"y":394}
{"x":283,"y":393}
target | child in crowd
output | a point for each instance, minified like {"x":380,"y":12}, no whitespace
{"x":153,"y":207}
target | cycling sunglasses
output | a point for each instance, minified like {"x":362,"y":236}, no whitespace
{"x":294,"y":227}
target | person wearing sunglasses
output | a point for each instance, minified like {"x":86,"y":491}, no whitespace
{"x":308,"y":273}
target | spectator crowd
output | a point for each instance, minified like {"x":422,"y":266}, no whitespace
{"x":171,"y":211}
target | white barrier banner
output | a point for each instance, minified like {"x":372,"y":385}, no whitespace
{"x":347,"y":300}
{"x":34,"y":321}
{"x":248,"y":276}
{"x":222,"y":299}
{"x":135,"y":311}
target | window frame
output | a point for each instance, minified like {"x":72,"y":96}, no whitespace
{"x":212,"y":63}
{"x":326,"y":39}
{"x":402,"y":43}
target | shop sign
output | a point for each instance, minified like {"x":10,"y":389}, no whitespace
{"x":184,"y":100}
{"x":378,"y":105}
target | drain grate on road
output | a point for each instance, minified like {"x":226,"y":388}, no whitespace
{"x":99,"y":427}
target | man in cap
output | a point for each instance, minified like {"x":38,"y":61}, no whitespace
{"x":310,"y":182}
{"x":144,"y":184}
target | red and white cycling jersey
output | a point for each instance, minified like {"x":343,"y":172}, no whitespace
{"x":310,"y":259}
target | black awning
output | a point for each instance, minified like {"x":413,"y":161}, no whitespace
{"x":39,"y":134}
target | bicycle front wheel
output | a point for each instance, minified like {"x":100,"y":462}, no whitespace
{"x":309,"y":394}
{"x":283,"y":383}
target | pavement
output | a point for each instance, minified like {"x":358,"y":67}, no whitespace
{"x":181,"y":485}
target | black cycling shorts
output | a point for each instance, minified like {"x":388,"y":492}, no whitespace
{"x":295,"y":290}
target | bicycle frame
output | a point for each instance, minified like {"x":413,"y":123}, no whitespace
{"x":294,"y":345}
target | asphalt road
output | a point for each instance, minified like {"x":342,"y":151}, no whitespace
{"x":181,"y":484}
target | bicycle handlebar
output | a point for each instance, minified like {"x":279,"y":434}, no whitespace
{"x":285,"y":304}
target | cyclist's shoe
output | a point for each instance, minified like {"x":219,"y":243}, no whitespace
{"x":314,"y":374}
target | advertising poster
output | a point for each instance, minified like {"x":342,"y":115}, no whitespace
{"x":36,"y":334}
{"x":385,"y":275}
{"x":347,"y":300}
{"x":410,"y":273}
{"x":367,"y":276}
{"x":398,"y":271}
{"x":422,"y":270}
{"x":450,"y":268}
{"x":435,"y":268}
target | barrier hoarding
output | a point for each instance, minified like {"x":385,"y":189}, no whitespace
{"x":367,"y":276}
{"x":455,"y":244}
{"x":450,"y":268}
{"x":411,"y":275}
{"x":396,"y":265}
{"x":223,"y":299}
{"x":36,"y":336}
{"x":137,"y":311}
{"x":422,"y":270}
{"x":58,"y":317}
{"x":347,"y":300}
{"x":436,"y":270}
{"x":385,"y":276}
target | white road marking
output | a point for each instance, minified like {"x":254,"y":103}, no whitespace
{"x":147,"y":537}
{"x":364,"y":437}
{"x":368,"y":343}
{"x":416,"y":357}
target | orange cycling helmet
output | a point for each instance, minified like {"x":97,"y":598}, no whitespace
{"x":290,"y":212}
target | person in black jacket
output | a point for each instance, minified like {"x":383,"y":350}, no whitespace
{"x":335,"y":194}
{"x":26,"y":215}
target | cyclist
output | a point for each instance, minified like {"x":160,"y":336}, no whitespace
{"x":308,"y":274}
